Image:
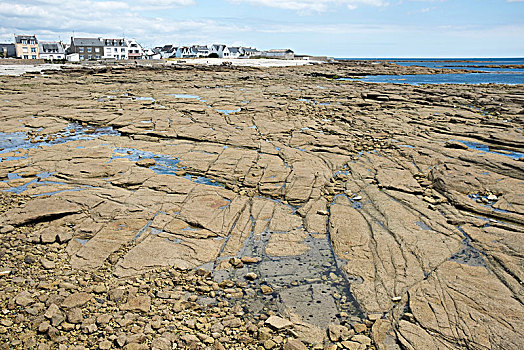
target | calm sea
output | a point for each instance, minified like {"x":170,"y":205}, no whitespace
{"x":496,"y":71}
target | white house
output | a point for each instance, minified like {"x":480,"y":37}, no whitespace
{"x":116,"y":49}
{"x":152,"y":54}
{"x":186,"y":52}
{"x":201,"y":51}
{"x":50,"y":50}
{"x":234,"y":52}
{"x":168,"y":51}
{"x":135,"y":51}
{"x":221,"y":50}
{"x":279,"y":53}
{"x":247,"y":52}
{"x":74,"y":57}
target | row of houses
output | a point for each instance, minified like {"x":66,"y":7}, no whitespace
{"x":218,"y":51}
{"x":30,"y":48}
{"x":79,"y":49}
{"x":197,"y":51}
{"x":99,"y":48}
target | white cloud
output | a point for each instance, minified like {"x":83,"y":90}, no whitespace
{"x":54,"y":19}
{"x":168,"y":2}
{"x":312,"y":5}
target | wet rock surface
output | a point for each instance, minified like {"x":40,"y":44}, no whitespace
{"x":229,"y":207}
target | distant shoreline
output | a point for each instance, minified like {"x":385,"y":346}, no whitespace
{"x":414,"y":59}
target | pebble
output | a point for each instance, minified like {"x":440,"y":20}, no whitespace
{"x":351,"y":345}
{"x":7,"y":229}
{"x":266,"y":289}
{"x":360,"y":327}
{"x":249,"y":260}
{"x":492,"y":197}
{"x":278,"y":322}
{"x":105,"y":345}
{"x":294,"y":344}
{"x":76,"y":299}
{"x":74,"y":315}
{"x":251,"y":276}
{"x":374,"y":317}
{"x":7,"y":323}
{"x":338,"y":332}
{"x":47,"y":264}
{"x":146,"y":162}
{"x":236,"y":263}
{"x":362,"y":339}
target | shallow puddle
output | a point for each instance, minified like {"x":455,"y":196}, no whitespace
{"x":485,"y":148}
{"x":10,"y":142}
{"x":311,"y":284}
{"x":468,"y":254}
{"x":187,"y":96}
{"x":165,"y":165}
{"x":145,"y":99}
{"x":229,"y":111}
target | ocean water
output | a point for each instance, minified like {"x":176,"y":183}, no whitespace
{"x":496,"y":71}
{"x":464,"y":78}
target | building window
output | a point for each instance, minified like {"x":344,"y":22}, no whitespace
{"x":24,"y":42}
{"x":89,"y":49}
{"x":32,"y":42}
{"x":97,"y":57}
{"x":123,"y":50}
{"x":116,"y":50}
{"x":33,"y":57}
{"x":81,"y":57}
{"x":81,"y":49}
{"x":89,"y":57}
{"x":97,"y":49}
{"x":33,"y":49}
{"x":24,"y":49}
{"x":26,"y":57}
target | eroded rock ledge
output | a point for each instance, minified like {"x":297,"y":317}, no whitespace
{"x":392,"y":211}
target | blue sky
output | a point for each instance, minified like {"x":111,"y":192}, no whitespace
{"x":339,"y":28}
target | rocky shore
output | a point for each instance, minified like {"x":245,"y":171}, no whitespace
{"x":233,"y":207}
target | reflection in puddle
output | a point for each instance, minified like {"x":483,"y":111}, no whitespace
{"x":82,"y":241}
{"x":485,"y":148}
{"x":314,"y":102}
{"x":165,"y":165}
{"x":194,"y":97}
{"x":145,"y":99}
{"x":10,"y":142}
{"x":423,"y":226}
{"x":33,"y":183}
{"x":229,"y":111}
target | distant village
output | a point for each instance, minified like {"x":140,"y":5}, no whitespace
{"x":28,"y":47}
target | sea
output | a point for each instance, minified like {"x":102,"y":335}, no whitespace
{"x":508,"y":71}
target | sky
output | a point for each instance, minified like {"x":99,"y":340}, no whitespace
{"x":336,"y":28}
